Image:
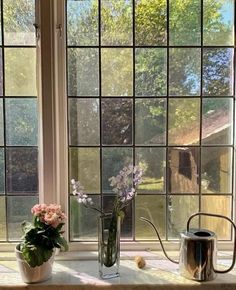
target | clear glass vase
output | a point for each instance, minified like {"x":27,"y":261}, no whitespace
{"x":109,"y":246}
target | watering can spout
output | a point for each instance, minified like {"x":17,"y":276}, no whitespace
{"x":159,"y":238}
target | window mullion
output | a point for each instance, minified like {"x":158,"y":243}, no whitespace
{"x":61,"y":143}
{"x":47,"y":154}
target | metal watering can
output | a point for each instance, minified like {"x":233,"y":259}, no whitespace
{"x":198,"y":251}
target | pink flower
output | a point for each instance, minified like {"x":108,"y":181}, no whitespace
{"x":54,"y":208}
{"x":38,"y":209}
{"x":51,"y":214}
{"x":63,"y":216}
{"x":51,"y":218}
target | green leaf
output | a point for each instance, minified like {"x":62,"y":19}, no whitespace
{"x":35,"y":255}
{"x":59,"y":227}
{"x":26,"y":226}
{"x":61,"y":241}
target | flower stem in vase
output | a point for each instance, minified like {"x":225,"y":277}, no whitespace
{"x":111,"y":251}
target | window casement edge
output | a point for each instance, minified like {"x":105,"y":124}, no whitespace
{"x":61,"y":144}
{"x":52,"y":104}
{"x":46,"y":96}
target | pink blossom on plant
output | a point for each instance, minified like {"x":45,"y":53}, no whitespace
{"x":52,"y":219}
{"x":38,"y":209}
{"x":51,"y":214}
{"x":63,"y":216}
{"x":52,"y":207}
{"x":43,"y":234}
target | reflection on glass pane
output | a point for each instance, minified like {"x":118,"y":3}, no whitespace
{"x":217,"y":121}
{"x":150,"y":72}
{"x":19,"y":17}
{"x":85,"y":167}
{"x":83,"y":121}
{"x":126,"y":224}
{"x":20,"y":71}
{"x":216,"y":171}
{"x":83,"y":221}
{"x":82,"y":22}
{"x":113,"y":160}
{"x":153,"y":208}
{"x":117,"y":121}
{"x":83,"y":77}
{"x":116,"y":22}
{"x":152,"y":160}
{"x":21,"y":121}
{"x":1,"y":124}
{"x":184,"y":121}
{"x":3,"y":235}
{"x":183,"y":169}
{"x":150,"y":22}
{"x":180,"y":208}
{"x":22,"y":170}
{"x":218,"y":22}
{"x":117,"y":71}
{"x":218,"y":71}
{"x":185,"y":71}
{"x":2,"y":172}
{"x":150,"y":121}
{"x":185,"y":22}
{"x":1,"y":74}
{"x":18,"y":210}
{"x":218,"y":205}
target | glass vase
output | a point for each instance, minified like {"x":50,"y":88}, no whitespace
{"x":109,"y":246}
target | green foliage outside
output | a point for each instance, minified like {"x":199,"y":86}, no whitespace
{"x":185,"y":21}
{"x":150,"y":74}
{"x":150,"y":28}
{"x":116,"y":16}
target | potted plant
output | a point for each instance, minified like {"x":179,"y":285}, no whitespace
{"x":124,"y":186}
{"x":35,"y":252}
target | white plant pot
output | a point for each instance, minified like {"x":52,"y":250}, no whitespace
{"x":33,"y":274}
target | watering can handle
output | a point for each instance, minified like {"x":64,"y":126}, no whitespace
{"x":234,"y":226}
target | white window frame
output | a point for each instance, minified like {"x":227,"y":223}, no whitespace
{"x":52,"y":102}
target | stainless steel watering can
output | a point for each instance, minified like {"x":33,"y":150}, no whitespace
{"x":198,"y":251}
